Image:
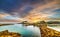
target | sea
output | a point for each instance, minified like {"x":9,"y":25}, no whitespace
{"x":25,"y":31}
{"x":54,"y":27}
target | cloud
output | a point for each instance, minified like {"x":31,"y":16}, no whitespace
{"x":42,"y":12}
{"x":2,"y":15}
{"x":21,"y":7}
{"x":7,"y":16}
{"x":57,"y":13}
{"x":38,"y":10}
{"x":29,"y":8}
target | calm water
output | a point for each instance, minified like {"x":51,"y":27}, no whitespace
{"x":54,"y":25}
{"x":28,"y":31}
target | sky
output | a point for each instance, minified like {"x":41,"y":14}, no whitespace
{"x":29,"y":9}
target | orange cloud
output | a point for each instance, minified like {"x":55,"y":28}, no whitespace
{"x":36,"y":14}
{"x":3,"y":15}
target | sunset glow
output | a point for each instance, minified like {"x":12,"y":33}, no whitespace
{"x":33,"y":12}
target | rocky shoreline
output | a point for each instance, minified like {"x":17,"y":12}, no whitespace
{"x":47,"y":32}
{"x":6,"y":33}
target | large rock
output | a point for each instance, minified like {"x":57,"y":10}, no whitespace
{"x":9,"y":34}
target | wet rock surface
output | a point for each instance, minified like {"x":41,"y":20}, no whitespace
{"x":47,"y":32}
{"x":9,"y":34}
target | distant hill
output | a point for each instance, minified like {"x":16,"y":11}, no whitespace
{"x":53,"y":22}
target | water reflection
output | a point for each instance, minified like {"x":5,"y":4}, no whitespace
{"x":26,"y":31}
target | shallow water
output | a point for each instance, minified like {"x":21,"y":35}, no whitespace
{"x":26,"y":31}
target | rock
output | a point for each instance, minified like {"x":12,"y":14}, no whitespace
{"x":6,"y":33}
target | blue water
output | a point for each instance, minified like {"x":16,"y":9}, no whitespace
{"x":19,"y":28}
